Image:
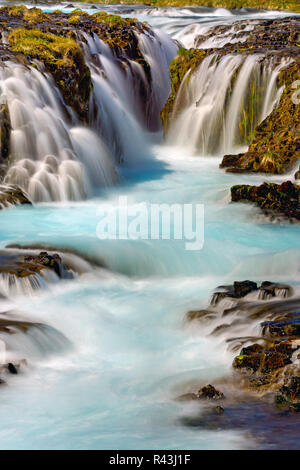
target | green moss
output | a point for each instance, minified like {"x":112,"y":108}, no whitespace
{"x":63,"y":58}
{"x":113,"y":20}
{"x":50,"y":48}
{"x":30,"y":15}
{"x":185,"y":61}
{"x":292,"y":5}
{"x":275,"y":146}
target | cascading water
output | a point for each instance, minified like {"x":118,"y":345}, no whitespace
{"x":126,"y":103}
{"x":131,"y":354}
{"x":218,"y":107}
{"x":48,"y":151}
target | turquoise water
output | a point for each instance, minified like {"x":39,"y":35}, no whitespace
{"x":131,"y":352}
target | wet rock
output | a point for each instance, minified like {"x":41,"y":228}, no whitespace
{"x":219,"y":410}
{"x":274,"y":289}
{"x":210,"y":392}
{"x":283,"y":199}
{"x":199,"y":314}
{"x":284,"y":328}
{"x":5,"y":128}
{"x":12,"y":368}
{"x":291,"y":390}
{"x":22,"y":266}
{"x":12,"y":196}
{"x":243,"y":288}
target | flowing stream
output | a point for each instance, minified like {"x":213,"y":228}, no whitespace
{"x":127,"y":352}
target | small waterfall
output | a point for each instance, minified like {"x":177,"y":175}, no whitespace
{"x":218,"y":107}
{"x":158,"y":49}
{"x":53,"y":159}
{"x":126,"y":104}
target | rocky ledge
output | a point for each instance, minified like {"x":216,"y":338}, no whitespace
{"x":273,"y":199}
{"x":12,"y":196}
{"x":262,"y":324}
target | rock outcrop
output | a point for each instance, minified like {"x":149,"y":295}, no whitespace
{"x":12,"y":196}
{"x":268,"y":362}
{"x":283,"y":199}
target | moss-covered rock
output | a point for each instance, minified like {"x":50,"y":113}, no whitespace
{"x":273,"y":198}
{"x":276,"y":144}
{"x":62,"y":57}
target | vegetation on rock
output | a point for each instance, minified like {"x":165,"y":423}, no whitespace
{"x":62,"y":57}
{"x":276,"y":144}
{"x":281,"y":199}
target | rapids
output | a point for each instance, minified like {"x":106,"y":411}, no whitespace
{"x":131,"y":353}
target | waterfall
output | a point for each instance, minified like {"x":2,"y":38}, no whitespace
{"x":218,"y":107}
{"x":53,"y":158}
{"x":125,"y":106}
{"x":47,"y":160}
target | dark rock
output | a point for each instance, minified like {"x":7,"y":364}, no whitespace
{"x":199,"y":314}
{"x":282,"y":199}
{"x":12,"y":196}
{"x":219,"y":410}
{"x":284,"y":328}
{"x":274,"y":289}
{"x":22,"y":266}
{"x":243,"y":288}
{"x":5,"y":128}
{"x":210,"y":392}
{"x":291,"y":390}
{"x":12,"y":368}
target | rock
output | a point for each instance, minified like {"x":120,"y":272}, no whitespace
{"x":285,"y":328}
{"x":12,"y":368}
{"x":210,"y":392}
{"x":12,"y":196}
{"x":219,"y":410}
{"x":22,"y":265}
{"x":297,"y":175}
{"x":282,"y":199}
{"x":199,"y":314}
{"x":243,"y":288}
{"x":274,"y":289}
{"x":5,"y":128}
{"x":275,"y":146}
{"x":291,"y":390}
{"x":257,"y":358}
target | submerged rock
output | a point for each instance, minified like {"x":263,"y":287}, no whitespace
{"x":210,"y":392}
